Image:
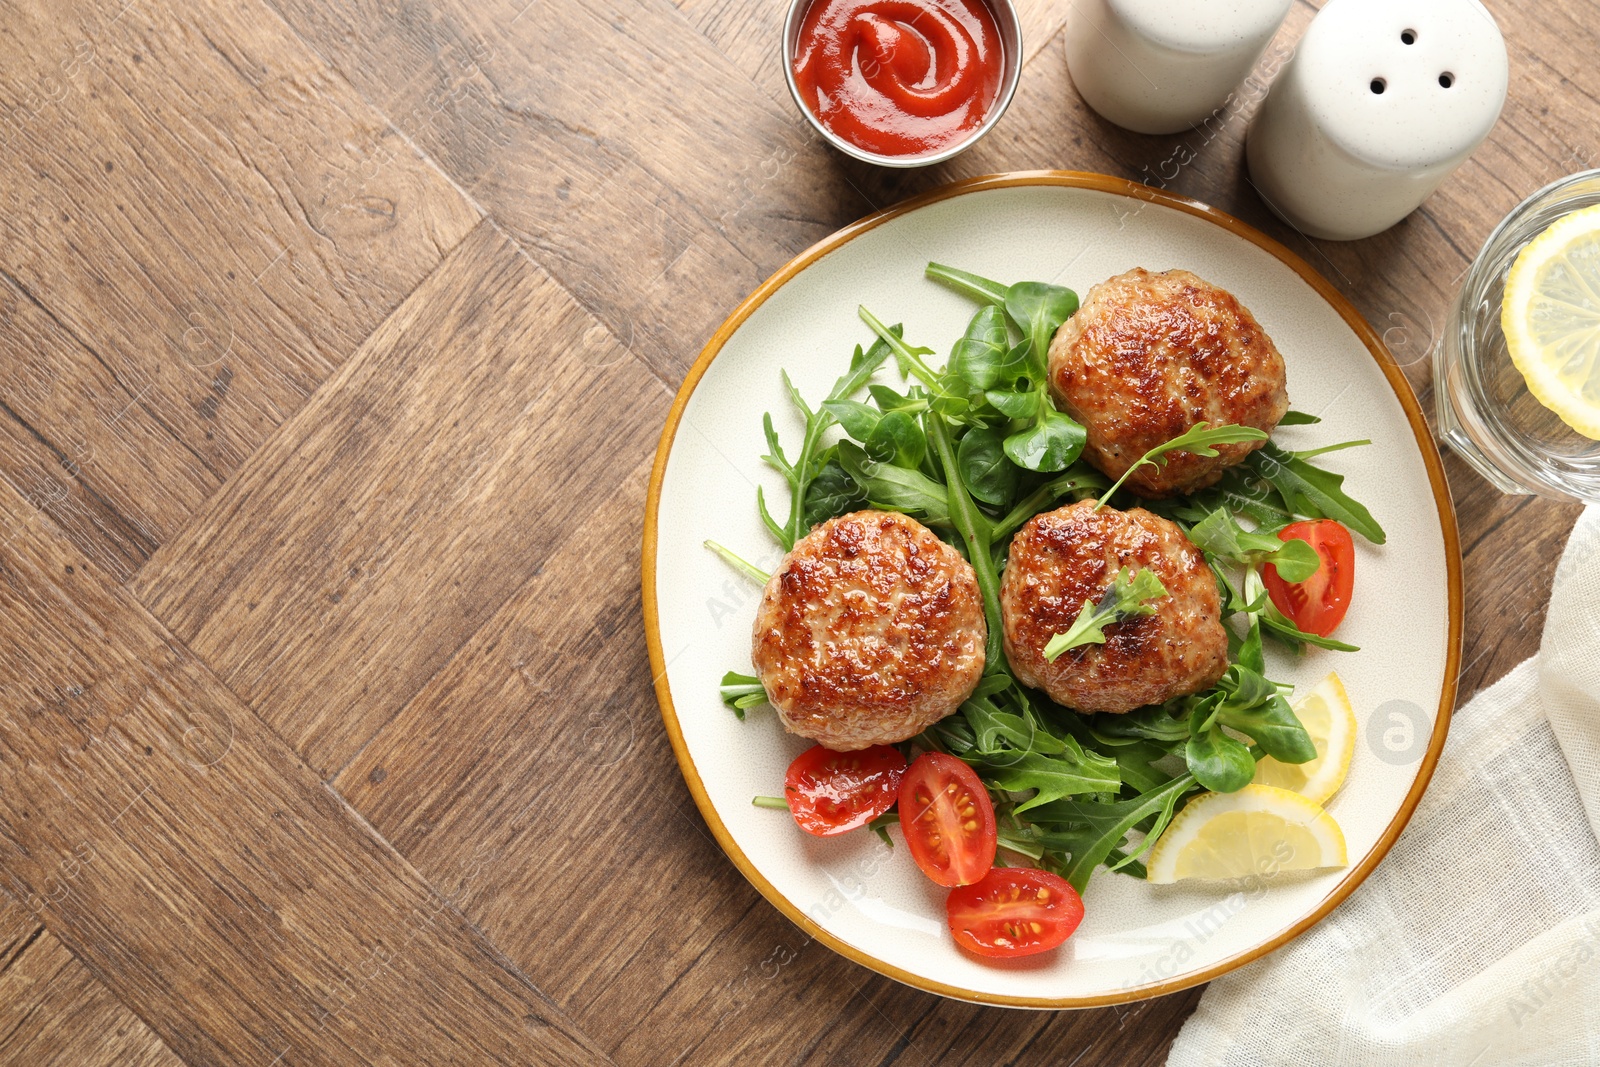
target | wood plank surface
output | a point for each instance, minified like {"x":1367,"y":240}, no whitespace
{"x":198,"y":221}
{"x":658,"y":209}
{"x":357,"y":550}
{"x":53,"y":1013}
{"x":363,"y":765}
{"x":180,"y":849}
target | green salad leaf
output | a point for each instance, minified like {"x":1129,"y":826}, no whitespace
{"x":1199,"y":439}
{"x":1219,"y":534}
{"x":1313,"y":492}
{"x":804,"y":469}
{"x":1130,"y":594}
{"x":975,"y":450}
{"x":742,"y":691}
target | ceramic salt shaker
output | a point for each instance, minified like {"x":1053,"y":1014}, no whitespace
{"x":1162,"y":66}
{"x":1382,"y":100}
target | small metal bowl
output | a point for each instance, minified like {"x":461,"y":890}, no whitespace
{"x":1006,"y":21}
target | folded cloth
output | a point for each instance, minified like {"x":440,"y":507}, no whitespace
{"x":1477,"y":941}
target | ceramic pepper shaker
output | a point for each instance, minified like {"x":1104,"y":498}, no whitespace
{"x":1382,"y":100}
{"x":1162,"y":66}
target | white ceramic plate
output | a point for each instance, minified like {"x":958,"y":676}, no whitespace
{"x":871,"y":903}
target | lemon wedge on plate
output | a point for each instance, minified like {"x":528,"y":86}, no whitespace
{"x":1260,"y":830}
{"x":1551,"y":318}
{"x":1326,"y":714}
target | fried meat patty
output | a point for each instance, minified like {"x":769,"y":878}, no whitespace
{"x":1147,"y":357}
{"x":1064,"y":557}
{"x":870,"y":631}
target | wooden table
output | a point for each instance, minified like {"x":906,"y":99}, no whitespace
{"x":336,"y":343}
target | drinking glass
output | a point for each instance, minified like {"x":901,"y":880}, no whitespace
{"x":1486,"y":412}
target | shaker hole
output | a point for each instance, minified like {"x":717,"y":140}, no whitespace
{"x":1447,"y":79}
{"x":1408,"y":37}
{"x":1378,"y":86}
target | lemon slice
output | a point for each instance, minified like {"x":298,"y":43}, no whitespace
{"x":1551,"y":319}
{"x":1326,"y":714}
{"x":1260,"y":830}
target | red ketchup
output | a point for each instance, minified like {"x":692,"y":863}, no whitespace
{"x":899,"y":77}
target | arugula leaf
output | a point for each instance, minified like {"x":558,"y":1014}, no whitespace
{"x":741,"y":691}
{"x":1298,"y":418}
{"x":749,"y":570}
{"x":1130,"y":594}
{"x":969,"y":284}
{"x":1074,"y":771}
{"x":947,"y":394}
{"x":1313,"y":492}
{"x":1153,"y":723}
{"x":1090,"y":830}
{"x":1198,"y":439}
{"x":1286,"y":631}
{"x":895,"y":488}
{"x":989,"y":476}
{"x":1219,"y":534}
{"x":1251,"y":656}
{"x":805,"y":468}
{"x":1135,"y":763}
{"x":1080,"y":482}
{"x":1312,"y":453}
{"x":976,"y":531}
{"x":991,"y":726}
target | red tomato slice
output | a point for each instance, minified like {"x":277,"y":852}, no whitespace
{"x":1316,"y":605}
{"x":947,"y":819}
{"x":831,"y":792}
{"x":1014,"y":911}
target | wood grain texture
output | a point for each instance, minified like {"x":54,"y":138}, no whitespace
{"x":209,"y":220}
{"x":383,"y":475}
{"x":366,"y":541}
{"x":617,"y":144}
{"x":53,"y":1013}
{"x":180,"y":850}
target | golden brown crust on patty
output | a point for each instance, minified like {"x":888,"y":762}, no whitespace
{"x":869,"y":632}
{"x":1147,"y":357}
{"x":1064,"y":557}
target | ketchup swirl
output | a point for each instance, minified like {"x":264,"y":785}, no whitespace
{"x":899,"y":77}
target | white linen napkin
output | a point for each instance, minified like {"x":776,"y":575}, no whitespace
{"x":1477,"y":941}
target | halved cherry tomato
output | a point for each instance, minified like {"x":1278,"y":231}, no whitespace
{"x":831,"y":792}
{"x":947,"y":819}
{"x":1316,"y":605}
{"x":1014,"y":911}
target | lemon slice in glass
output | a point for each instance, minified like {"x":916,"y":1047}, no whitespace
{"x":1326,"y":714}
{"x":1260,"y":830}
{"x":1551,"y":318}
